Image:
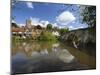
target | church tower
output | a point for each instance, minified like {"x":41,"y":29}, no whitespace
{"x":29,"y":23}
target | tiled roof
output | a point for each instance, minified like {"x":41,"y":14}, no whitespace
{"x":18,"y":30}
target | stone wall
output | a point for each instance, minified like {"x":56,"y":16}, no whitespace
{"x":79,"y":38}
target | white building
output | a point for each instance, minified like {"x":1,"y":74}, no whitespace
{"x":56,"y":33}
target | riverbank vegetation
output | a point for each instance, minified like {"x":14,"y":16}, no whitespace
{"x":47,"y":36}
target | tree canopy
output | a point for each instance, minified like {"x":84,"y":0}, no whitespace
{"x":63,"y":31}
{"x":49,"y":27}
{"x":89,"y":15}
{"x":15,"y":25}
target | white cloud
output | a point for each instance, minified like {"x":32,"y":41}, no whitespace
{"x":73,"y":22}
{"x":29,"y":5}
{"x":61,"y":27}
{"x":65,"y":18}
{"x":71,"y":27}
{"x":44,"y":23}
{"x":54,"y":25}
{"x":81,"y":27}
{"x":37,"y":21}
{"x":21,"y":24}
{"x":13,"y":21}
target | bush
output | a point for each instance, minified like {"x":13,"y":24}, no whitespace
{"x":47,"y":36}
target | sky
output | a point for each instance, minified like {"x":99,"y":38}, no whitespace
{"x":59,"y":15}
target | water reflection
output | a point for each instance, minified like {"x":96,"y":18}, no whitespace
{"x":37,"y":49}
{"x":43,"y":57}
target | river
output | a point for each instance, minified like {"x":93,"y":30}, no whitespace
{"x":37,"y":57}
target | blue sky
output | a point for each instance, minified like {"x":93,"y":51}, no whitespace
{"x":60,"y":15}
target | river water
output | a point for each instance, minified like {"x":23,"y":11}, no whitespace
{"x":37,"y":57}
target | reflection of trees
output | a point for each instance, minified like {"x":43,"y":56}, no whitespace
{"x":16,"y":47}
{"x":36,"y":49}
{"x":28,"y":48}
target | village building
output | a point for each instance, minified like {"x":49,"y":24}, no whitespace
{"x":28,"y":30}
{"x":56,"y":33}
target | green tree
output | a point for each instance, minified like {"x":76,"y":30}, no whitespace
{"x":55,"y":28}
{"x":15,"y":25}
{"x":62,"y":31}
{"x":49,"y":27}
{"x":47,"y":36}
{"x":89,"y":15}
